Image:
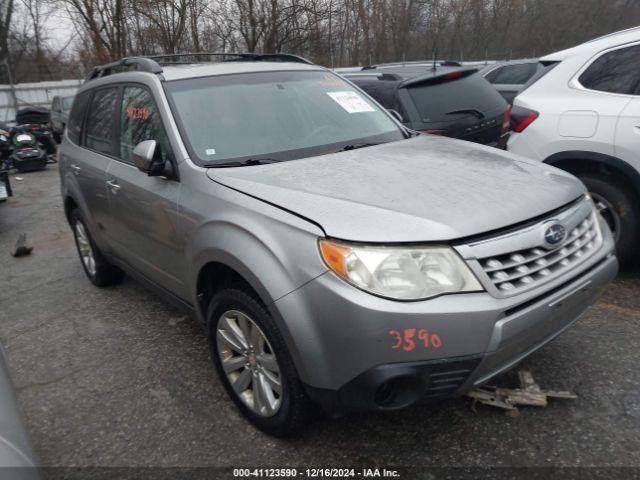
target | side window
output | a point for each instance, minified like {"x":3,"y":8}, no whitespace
{"x":513,"y":74}
{"x":55,"y":106}
{"x":74,"y":129}
{"x":614,"y":72}
{"x":494,"y":74}
{"x":100,"y":120}
{"x":140,"y":121}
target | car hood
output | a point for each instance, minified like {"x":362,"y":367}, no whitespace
{"x":424,"y":189}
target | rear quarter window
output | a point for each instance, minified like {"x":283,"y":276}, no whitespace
{"x":443,"y":102}
{"x":76,"y":118}
{"x":512,"y":74}
{"x":614,"y":72}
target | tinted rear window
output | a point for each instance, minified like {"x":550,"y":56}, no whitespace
{"x":74,"y":129}
{"x":512,"y":74}
{"x":614,"y":72}
{"x":447,"y":101}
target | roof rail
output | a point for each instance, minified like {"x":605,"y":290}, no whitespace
{"x":380,"y":76}
{"x":415,"y":63}
{"x":143,"y":64}
{"x":234,"y":57}
{"x":153,"y":63}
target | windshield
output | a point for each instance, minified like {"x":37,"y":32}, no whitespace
{"x":67,"y":102}
{"x":275,"y":115}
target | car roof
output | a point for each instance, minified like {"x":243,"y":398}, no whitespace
{"x":596,"y":45}
{"x":198,"y":70}
{"x":185,"y":70}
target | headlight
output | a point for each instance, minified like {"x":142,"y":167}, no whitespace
{"x":401,"y":273}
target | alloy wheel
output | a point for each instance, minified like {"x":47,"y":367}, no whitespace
{"x":605,"y":208}
{"x":249,"y":363}
{"x":85,"y":249}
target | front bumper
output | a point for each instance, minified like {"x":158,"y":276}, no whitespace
{"x":341,"y":342}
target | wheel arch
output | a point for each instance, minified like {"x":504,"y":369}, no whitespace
{"x":225,"y":271}
{"x":577,"y":162}
{"x":70,"y":205}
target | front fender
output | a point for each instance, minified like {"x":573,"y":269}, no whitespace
{"x":275,"y":253}
{"x":274,"y":257}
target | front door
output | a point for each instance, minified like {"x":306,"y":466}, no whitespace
{"x":143,"y":219}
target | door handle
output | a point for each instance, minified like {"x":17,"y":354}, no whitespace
{"x":76,"y":169}
{"x":113,"y":186}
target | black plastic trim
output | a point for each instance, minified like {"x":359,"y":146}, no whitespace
{"x":424,"y":381}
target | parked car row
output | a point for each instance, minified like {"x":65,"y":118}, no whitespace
{"x":578,"y":109}
{"x":583,"y":115}
{"x":440,"y":99}
{"x":336,"y":257}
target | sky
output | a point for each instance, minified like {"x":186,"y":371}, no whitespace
{"x":59,"y":28}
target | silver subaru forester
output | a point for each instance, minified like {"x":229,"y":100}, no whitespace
{"x":336,"y":258}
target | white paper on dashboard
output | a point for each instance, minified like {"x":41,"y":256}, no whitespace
{"x":351,"y":102}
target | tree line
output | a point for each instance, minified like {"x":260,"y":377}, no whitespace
{"x":329,"y":32}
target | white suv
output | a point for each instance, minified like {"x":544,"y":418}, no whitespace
{"x":583,"y":115}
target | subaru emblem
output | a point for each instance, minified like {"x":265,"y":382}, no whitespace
{"x":555,"y":235}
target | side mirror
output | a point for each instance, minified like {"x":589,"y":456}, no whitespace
{"x":146,"y":156}
{"x":396,"y":114}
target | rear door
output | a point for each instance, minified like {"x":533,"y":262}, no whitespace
{"x":89,"y":164}
{"x":143,"y":220}
{"x":616,"y":76}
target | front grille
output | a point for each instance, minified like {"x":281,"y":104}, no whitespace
{"x":517,"y":271}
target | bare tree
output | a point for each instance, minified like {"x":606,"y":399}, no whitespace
{"x":332,"y":32}
{"x":6,"y":13}
{"x":105,"y":24}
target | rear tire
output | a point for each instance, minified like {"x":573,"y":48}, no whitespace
{"x":99,"y":271}
{"x":290,"y":409}
{"x":619,"y":206}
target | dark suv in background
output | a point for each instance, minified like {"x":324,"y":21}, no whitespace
{"x":442,"y":99}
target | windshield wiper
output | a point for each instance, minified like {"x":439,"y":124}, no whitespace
{"x":250,"y":162}
{"x":355,"y":146}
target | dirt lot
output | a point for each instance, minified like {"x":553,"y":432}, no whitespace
{"x":116,"y":377}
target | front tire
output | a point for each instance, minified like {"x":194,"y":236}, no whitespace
{"x":618,"y":205}
{"x":99,"y":271}
{"x":254,"y":364}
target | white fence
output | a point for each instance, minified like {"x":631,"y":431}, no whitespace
{"x":33,"y":95}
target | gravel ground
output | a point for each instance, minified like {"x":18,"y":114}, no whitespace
{"x":117,"y":377}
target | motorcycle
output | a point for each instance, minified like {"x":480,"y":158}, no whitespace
{"x":27,"y":154}
{"x":31,"y":141}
